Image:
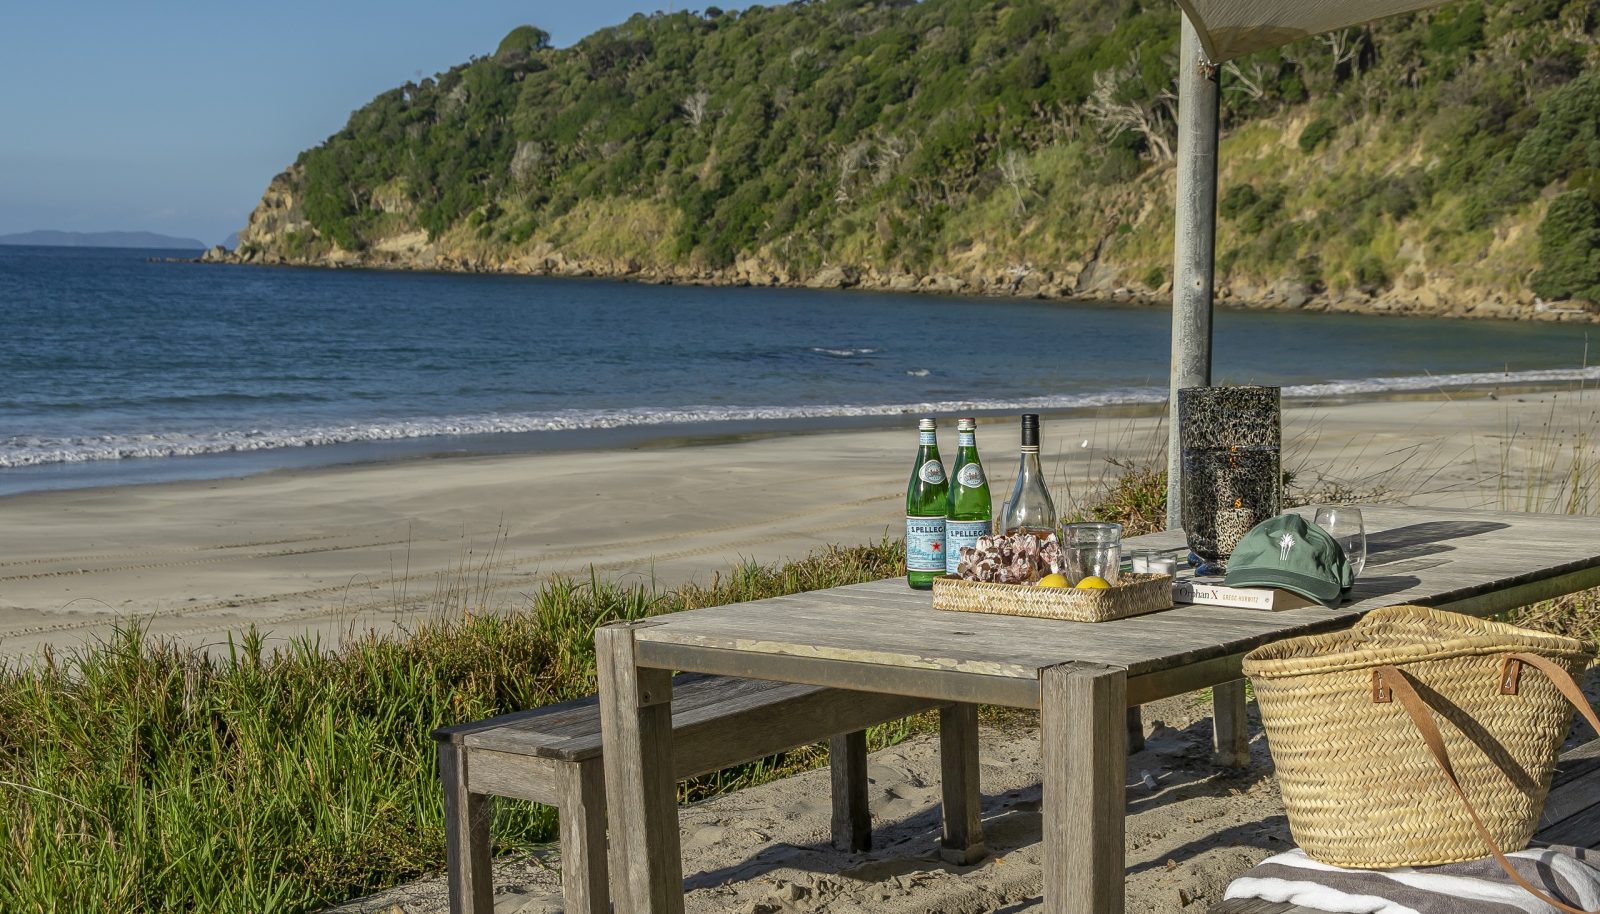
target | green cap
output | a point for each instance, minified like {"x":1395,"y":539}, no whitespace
{"x":1288,"y":551}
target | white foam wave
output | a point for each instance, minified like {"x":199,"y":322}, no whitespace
{"x":917,"y":372}
{"x":1413,"y":383}
{"x":843,"y":353}
{"x":23,"y":450}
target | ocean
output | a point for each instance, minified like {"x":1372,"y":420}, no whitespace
{"x":119,"y":368}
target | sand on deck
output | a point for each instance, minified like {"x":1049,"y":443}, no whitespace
{"x":324,"y":552}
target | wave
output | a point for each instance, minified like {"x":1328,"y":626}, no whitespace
{"x":23,"y":451}
{"x":1413,"y":383}
{"x":843,"y":353}
{"x":917,"y":372}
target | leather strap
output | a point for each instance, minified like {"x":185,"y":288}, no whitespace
{"x":1400,"y":684}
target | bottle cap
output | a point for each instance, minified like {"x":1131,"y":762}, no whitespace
{"x":1030,"y":430}
{"x":966,"y":424}
{"x":927,"y":424}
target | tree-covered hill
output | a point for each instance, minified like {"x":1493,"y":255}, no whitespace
{"x":1445,"y":162}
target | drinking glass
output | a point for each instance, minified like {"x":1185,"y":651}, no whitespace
{"x":1343,"y":523}
{"x":1093,"y":549}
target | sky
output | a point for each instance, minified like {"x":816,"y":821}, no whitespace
{"x":172,"y":116}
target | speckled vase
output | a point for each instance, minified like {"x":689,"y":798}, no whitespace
{"x":1232,"y":441}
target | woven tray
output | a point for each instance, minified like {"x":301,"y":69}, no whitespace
{"x":1134,"y":595}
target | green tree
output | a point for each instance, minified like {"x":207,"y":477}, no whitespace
{"x":1569,"y":248}
{"x":524,"y":39}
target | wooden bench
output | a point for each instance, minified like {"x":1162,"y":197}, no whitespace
{"x":1571,"y":816}
{"x":552,"y":755}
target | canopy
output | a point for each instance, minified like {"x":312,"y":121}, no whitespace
{"x":1233,"y":28}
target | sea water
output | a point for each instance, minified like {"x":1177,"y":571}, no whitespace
{"x":119,"y":367}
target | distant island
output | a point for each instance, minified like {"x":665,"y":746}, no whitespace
{"x":103,"y":240}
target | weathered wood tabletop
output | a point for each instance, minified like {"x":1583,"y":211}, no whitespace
{"x":884,"y":637}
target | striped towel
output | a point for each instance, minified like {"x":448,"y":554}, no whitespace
{"x":1476,"y":887}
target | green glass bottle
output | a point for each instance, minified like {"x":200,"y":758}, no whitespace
{"x":927,"y":496}
{"x":969,"y":514}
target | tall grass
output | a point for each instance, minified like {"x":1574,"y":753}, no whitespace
{"x":140,"y":776}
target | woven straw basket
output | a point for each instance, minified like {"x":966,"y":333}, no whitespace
{"x":1359,"y":782}
{"x":1133,"y":595}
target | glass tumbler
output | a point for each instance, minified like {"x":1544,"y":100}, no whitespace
{"x":1092,"y":549}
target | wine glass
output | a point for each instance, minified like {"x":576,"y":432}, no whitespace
{"x":1343,"y":523}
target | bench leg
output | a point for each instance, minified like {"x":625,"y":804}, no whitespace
{"x":641,"y":792}
{"x":1135,"y":729}
{"x":585,"y":885}
{"x":1085,"y":735}
{"x":1230,"y":738}
{"x":958,"y":772}
{"x":852,"y":820}
{"x":466,"y":835}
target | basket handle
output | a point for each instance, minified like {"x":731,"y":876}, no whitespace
{"x":1400,"y":684}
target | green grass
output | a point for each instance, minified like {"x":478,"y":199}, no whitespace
{"x":143,"y":777}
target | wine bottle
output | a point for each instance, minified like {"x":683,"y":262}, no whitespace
{"x":927,"y":496}
{"x":970,"y":513}
{"x":1029,"y":509}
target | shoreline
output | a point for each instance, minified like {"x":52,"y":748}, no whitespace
{"x":170,"y":469}
{"x":751,"y":273}
{"x":329,"y":551}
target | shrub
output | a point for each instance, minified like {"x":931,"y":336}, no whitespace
{"x":1316,"y":133}
{"x":1370,"y":274}
{"x":1237,"y":200}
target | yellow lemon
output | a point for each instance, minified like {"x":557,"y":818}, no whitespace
{"x":1053,"y":580}
{"x":1094,"y":583}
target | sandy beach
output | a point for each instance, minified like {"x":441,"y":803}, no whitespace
{"x":328,"y":551}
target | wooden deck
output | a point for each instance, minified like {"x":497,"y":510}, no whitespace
{"x":1571,"y":816}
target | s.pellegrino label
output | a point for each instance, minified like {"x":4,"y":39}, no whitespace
{"x":970,"y":475}
{"x":927,"y":494}
{"x":958,"y":533}
{"x":925,"y":544}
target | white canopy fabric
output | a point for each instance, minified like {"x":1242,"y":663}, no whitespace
{"x":1233,"y":28}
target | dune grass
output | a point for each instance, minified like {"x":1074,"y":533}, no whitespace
{"x":140,"y":776}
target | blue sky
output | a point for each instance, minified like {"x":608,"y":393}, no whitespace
{"x":173,"y":116}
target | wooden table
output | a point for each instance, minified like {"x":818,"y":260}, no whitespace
{"x":885,"y":637}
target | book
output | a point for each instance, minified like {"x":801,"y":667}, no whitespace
{"x":1269,"y":598}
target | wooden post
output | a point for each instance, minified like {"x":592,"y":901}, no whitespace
{"x":852,"y":819}
{"x":1230,"y":739}
{"x":962,"y":843}
{"x":466,"y":834}
{"x":1194,"y":243}
{"x":1084,"y":731}
{"x":641,"y":792}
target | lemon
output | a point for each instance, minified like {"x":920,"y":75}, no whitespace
{"x":1053,"y":580}
{"x":1094,"y":583}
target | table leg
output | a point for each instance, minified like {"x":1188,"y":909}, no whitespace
{"x":1085,"y":733}
{"x":852,"y":816}
{"x":962,"y":843}
{"x":1230,"y":738}
{"x":641,"y":793}
{"x":1135,"y":729}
